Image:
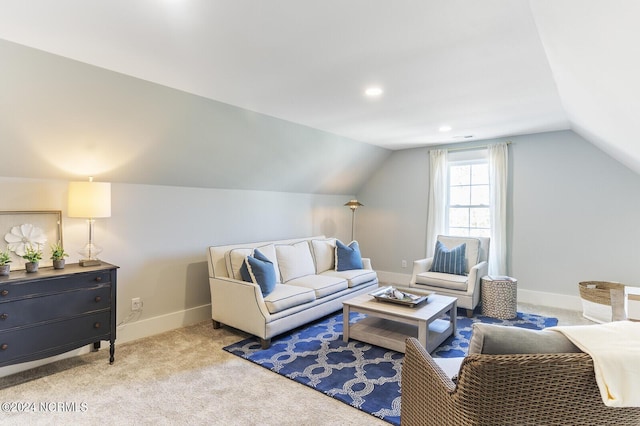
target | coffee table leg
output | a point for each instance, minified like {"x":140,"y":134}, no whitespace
{"x":423,"y":334}
{"x":345,"y":323}
{"x":453,"y":315}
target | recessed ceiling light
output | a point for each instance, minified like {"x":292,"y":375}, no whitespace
{"x":373,"y":91}
{"x":445,"y":128}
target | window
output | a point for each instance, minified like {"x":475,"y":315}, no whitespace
{"x":468,"y":212}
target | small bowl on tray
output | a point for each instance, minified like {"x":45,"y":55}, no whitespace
{"x":401,"y":297}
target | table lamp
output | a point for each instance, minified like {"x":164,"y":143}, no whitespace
{"x":90,"y":200}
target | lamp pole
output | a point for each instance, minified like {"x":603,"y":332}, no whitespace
{"x":353,"y":205}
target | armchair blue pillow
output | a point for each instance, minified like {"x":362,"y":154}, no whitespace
{"x":449,"y":261}
{"x":348,"y":257}
{"x":258,"y":269}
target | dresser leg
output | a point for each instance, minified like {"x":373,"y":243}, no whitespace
{"x":112,"y":351}
{"x":96,"y":346}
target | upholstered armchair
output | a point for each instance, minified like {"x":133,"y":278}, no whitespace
{"x":466,"y":285}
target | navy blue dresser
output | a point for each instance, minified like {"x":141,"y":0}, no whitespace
{"x":53,"y":311}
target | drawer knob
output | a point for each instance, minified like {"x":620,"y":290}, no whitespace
{"x":96,"y":325}
{"x":98,"y":279}
{"x":97,"y":299}
{"x":4,"y":292}
{"x":4,"y":347}
{"x":4,"y":316}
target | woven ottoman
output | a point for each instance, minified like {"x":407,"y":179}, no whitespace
{"x":499,"y":297}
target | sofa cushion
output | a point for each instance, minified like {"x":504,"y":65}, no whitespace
{"x":294,"y":260}
{"x":449,"y":261}
{"x":234,"y":260}
{"x":259,"y":270}
{"x":500,"y":339}
{"x":354,"y":277}
{"x":471,"y":250}
{"x":286,"y":296}
{"x":324,"y":254}
{"x":348,"y":257}
{"x":439,"y":279}
{"x":269,"y":250}
{"x":322,"y":285}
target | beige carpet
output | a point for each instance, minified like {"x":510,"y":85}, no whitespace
{"x":179,"y":377}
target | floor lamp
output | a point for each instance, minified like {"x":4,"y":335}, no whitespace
{"x":90,"y":200}
{"x":353,"y":205}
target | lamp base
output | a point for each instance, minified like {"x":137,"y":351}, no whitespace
{"x":90,"y":262}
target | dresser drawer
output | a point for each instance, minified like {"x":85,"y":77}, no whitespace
{"x":52,"y":338}
{"x":52,"y":284}
{"x":37,"y":309}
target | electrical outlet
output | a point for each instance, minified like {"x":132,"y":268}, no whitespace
{"x":404,"y":263}
{"x":136,"y":304}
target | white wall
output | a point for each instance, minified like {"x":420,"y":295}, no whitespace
{"x":158,"y":236}
{"x":573,"y":216}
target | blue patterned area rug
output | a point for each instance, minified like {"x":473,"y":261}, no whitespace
{"x":364,"y":376}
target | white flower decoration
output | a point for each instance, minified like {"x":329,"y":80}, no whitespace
{"x":23,"y":236}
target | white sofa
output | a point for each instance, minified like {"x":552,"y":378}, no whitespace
{"x":308,"y":286}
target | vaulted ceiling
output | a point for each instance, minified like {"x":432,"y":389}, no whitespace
{"x":487,"y":69}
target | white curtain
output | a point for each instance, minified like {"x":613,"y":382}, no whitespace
{"x":498,"y":169}
{"x":437,"y":208}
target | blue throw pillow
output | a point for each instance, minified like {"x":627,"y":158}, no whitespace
{"x":348,"y":257}
{"x":259,"y":269}
{"x":244,"y":271}
{"x":449,"y":261}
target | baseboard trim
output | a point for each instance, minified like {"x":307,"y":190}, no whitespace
{"x":13,"y":369}
{"x":126,"y":333}
{"x":159,"y":324}
{"x":552,"y":300}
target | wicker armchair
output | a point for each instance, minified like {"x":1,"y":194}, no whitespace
{"x":527,"y":389}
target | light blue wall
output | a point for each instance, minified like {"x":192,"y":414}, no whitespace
{"x":61,"y":119}
{"x":158,"y":234}
{"x":391,"y":226}
{"x":573,"y":213}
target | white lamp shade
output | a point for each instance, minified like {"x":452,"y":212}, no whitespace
{"x":89,"y":199}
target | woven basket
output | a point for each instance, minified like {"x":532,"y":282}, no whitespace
{"x":596,"y":299}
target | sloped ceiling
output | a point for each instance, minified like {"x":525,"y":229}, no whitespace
{"x":487,"y":69}
{"x":594,"y":52}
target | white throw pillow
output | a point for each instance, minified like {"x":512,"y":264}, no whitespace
{"x":323,"y":252}
{"x":294,"y":260}
{"x":270,"y":253}
{"x":235,"y":259}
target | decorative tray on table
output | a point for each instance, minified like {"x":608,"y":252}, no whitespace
{"x":393,"y":295}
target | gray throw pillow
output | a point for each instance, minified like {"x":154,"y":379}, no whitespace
{"x":500,"y":339}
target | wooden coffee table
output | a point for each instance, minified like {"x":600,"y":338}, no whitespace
{"x":389,"y":324}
